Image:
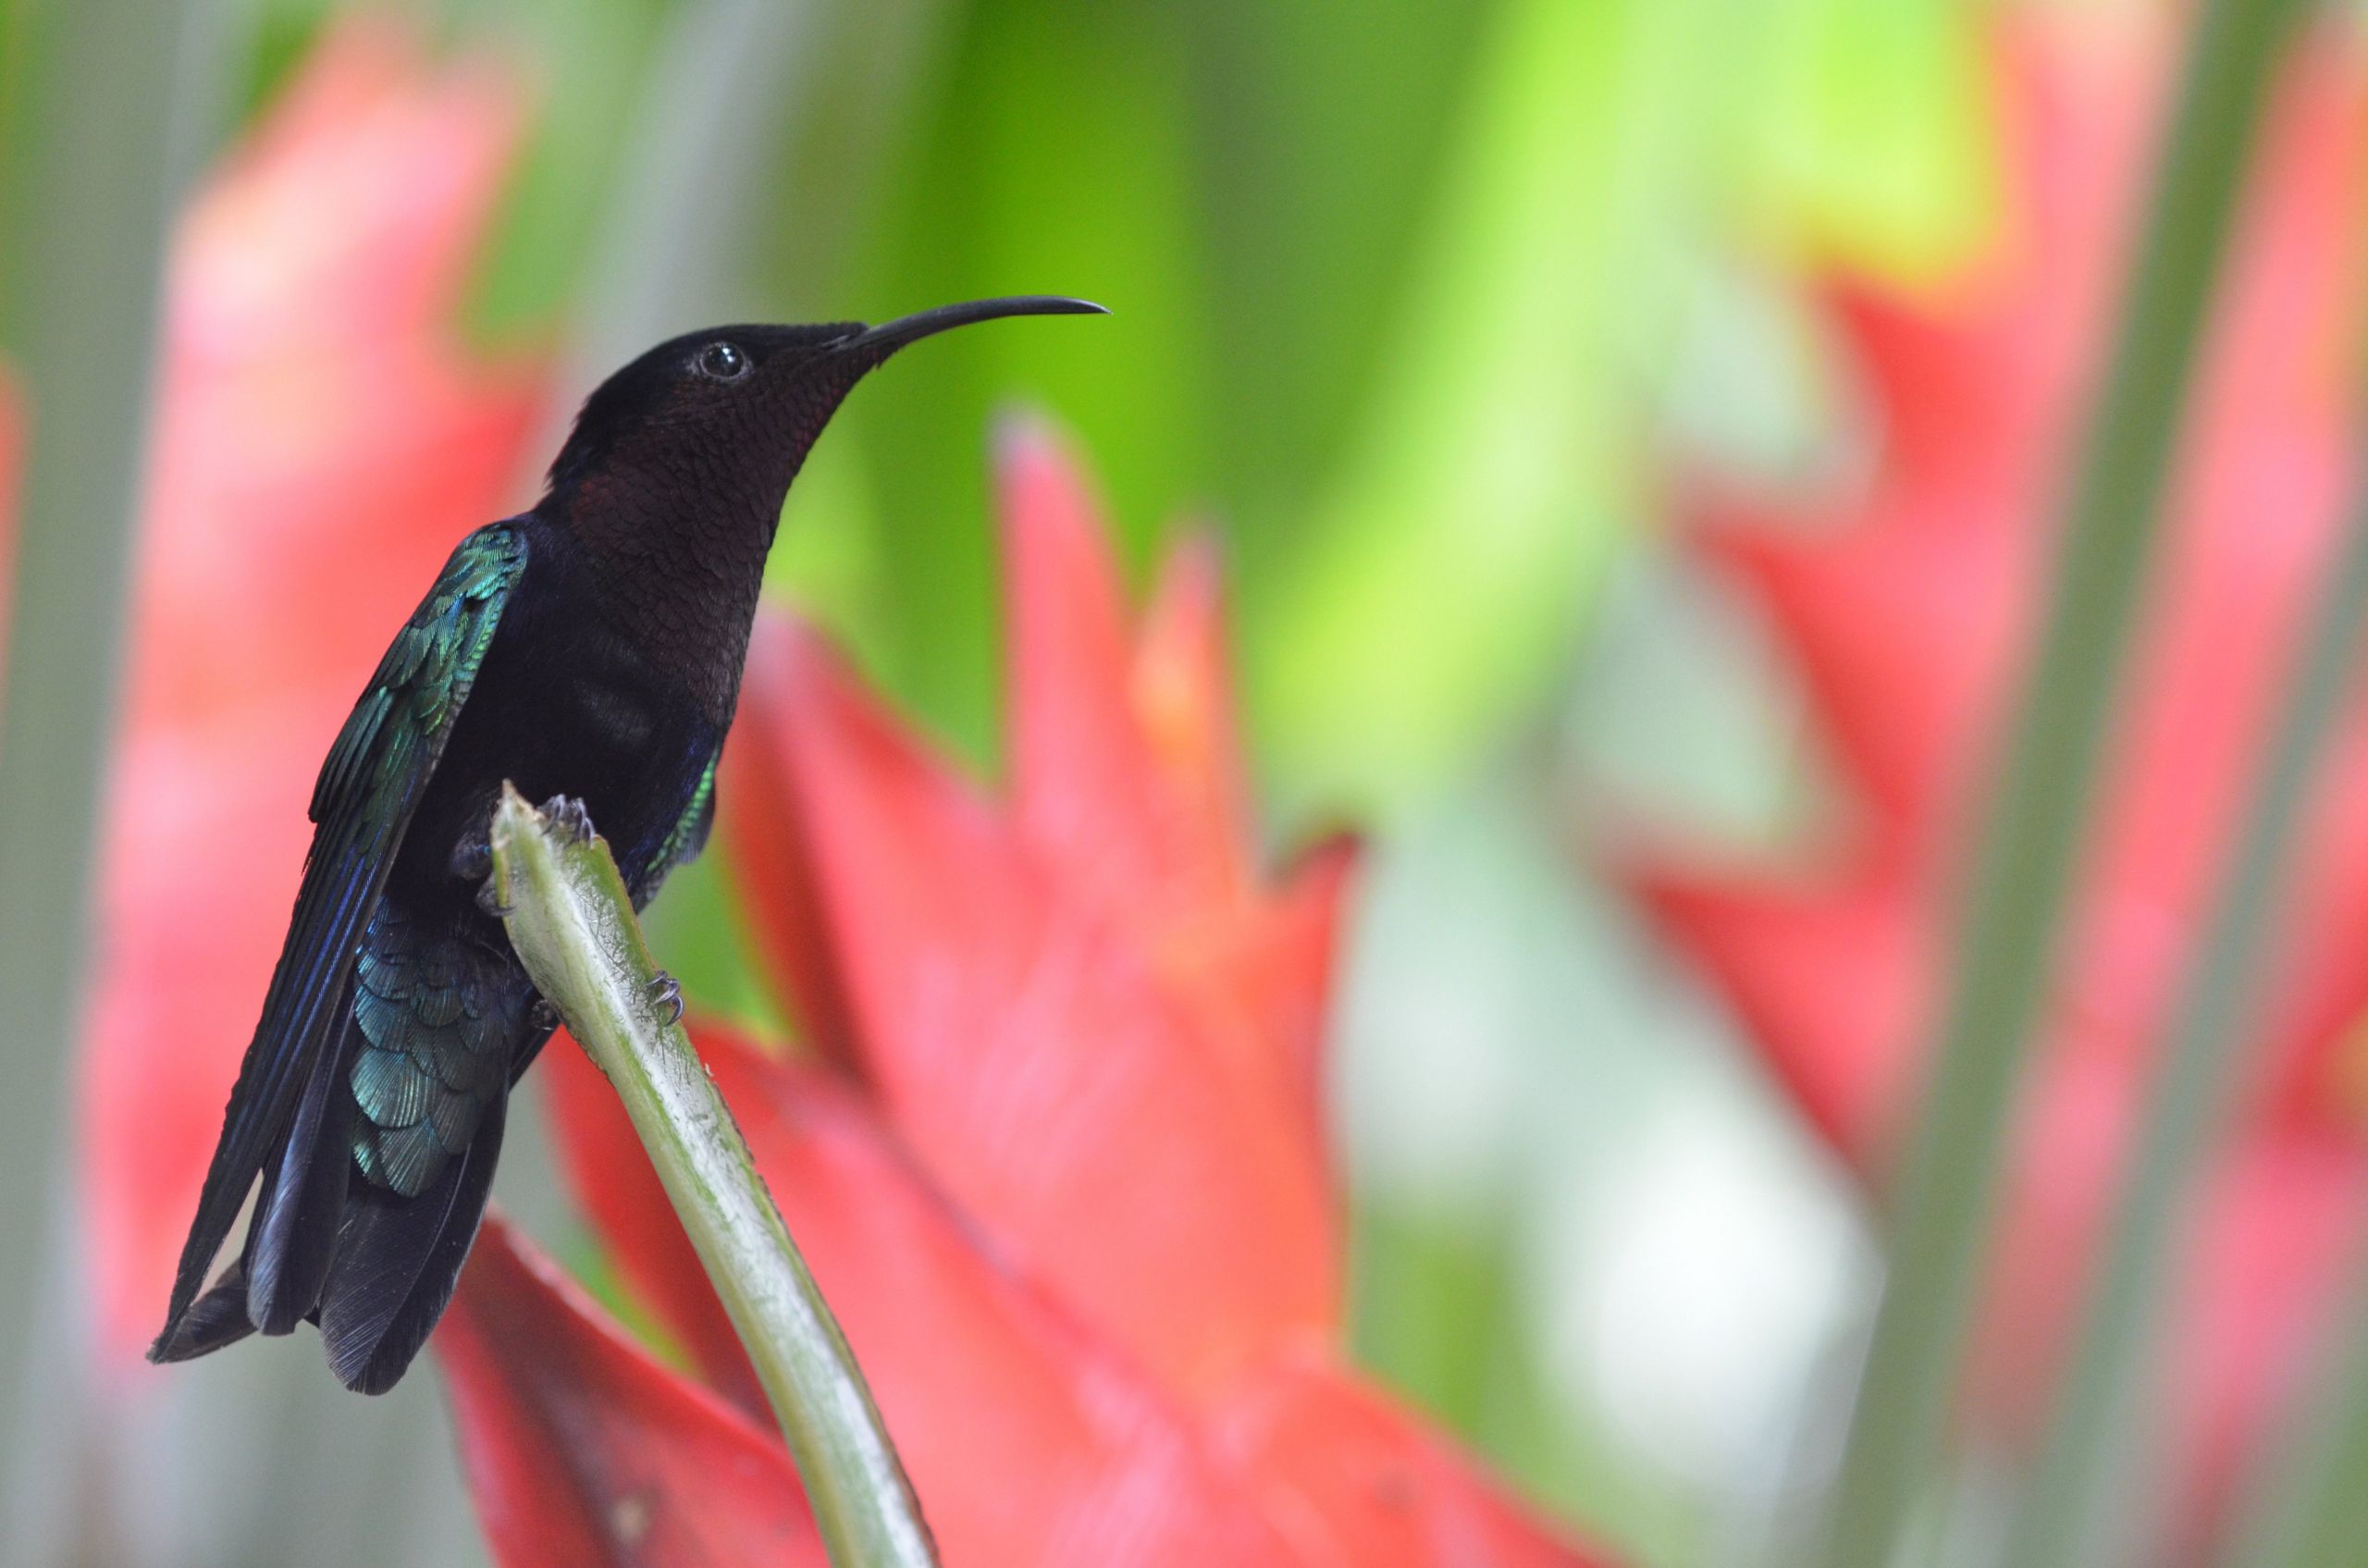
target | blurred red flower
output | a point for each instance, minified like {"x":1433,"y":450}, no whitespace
{"x":1059,"y":1170}
{"x":322,"y":439}
{"x":1908,"y":608}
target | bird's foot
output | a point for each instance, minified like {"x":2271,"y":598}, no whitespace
{"x":472,"y":859}
{"x":542,"y":1016}
{"x":567,"y":812}
{"x":666,"y":992}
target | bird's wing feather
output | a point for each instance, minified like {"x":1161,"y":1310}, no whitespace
{"x":362,"y":804}
{"x":689,"y":836}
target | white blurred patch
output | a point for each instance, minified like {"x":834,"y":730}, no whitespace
{"x":1515,"y":1051}
{"x":1706,"y":1273}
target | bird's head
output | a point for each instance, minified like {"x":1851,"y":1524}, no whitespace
{"x":722,"y":419}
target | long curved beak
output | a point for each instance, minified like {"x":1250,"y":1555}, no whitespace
{"x":890,"y":336}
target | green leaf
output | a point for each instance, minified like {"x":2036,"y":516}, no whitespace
{"x":1450,"y":565}
{"x":1472,"y":513}
{"x":1056,"y":159}
{"x":1872,"y":146}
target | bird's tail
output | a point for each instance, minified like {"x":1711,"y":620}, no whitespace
{"x":398,"y":1259}
{"x":372,"y":1267}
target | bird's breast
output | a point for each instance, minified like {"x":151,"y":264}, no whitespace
{"x":625,"y":738}
{"x":561,"y":707}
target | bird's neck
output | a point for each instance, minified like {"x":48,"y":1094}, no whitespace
{"x":680,"y":588}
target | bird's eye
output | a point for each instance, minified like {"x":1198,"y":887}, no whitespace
{"x":722,"y":361}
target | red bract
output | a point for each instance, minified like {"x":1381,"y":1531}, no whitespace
{"x":958,"y":939}
{"x":322,"y":440}
{"x":1909,"y":607}
{"x":660,"y":1471}
{"x":1060,"y":1174}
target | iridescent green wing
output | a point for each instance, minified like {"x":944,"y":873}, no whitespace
{"x":362,"y":804}
{"x":682,"y":845}
{"x":395,"y":733}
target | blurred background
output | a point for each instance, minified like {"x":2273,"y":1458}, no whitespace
{"x":1635,"y":429}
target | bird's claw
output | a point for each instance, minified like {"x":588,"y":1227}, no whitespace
{"x":666,"y":992}
{"x":567,"y":812}
{"x":473,"y":861}
{"x":543,"y":1016}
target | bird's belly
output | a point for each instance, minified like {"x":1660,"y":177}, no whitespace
{"x":632,"y":759}
{"x":598,"y":729}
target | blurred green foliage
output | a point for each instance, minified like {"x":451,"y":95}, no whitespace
{"x":1394,"y":284}
{"x":1391,"y":281}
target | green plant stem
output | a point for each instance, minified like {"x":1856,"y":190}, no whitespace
{"x":94,"y":92}
{"x":572,"y":926}
{"x":2071,"y":1514}
{"x":2030,"y":845}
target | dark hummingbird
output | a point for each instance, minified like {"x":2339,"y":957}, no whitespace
{"x":588,"y":650}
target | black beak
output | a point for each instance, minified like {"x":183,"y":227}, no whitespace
{"x":890,"y":336}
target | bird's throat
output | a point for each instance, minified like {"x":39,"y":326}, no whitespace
{"x":682,"y":589}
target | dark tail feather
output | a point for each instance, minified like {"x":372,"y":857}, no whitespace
{"x":295,"y":1228}
{"x":396,"y":1262}
{"x":276,"y":1283}
{"x":215,"y":1319}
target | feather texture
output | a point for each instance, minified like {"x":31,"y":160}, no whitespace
{"x":369,"y":787}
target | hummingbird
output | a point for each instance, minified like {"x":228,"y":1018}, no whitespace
{"x":589,"y":651}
